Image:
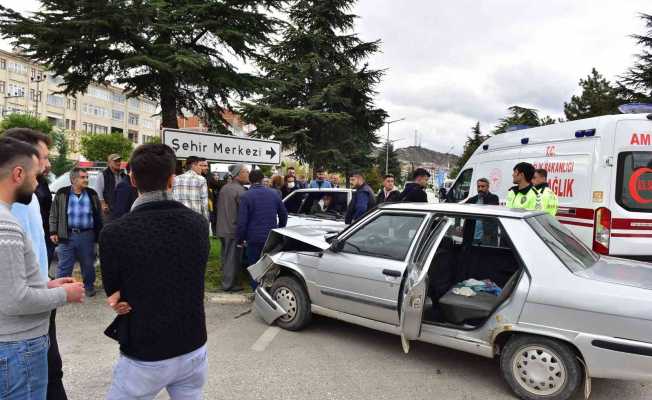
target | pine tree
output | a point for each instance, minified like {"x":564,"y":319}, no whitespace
{"x":171,"y":51}
{"x":321,"y":100}
{"x":472,"y":143}
{"x":598,"y":97}
{"x":521,"y":117}
{"x":636,"y":84}
{"x":394,"y":164}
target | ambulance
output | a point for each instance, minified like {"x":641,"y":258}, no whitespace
{"x":600,"y":168}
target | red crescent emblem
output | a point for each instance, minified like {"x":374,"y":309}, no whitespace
{"x":633,"y":180}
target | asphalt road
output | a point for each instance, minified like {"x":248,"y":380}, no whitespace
{"x":329,"y":360}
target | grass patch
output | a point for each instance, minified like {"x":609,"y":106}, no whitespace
{"x":214,"y":267}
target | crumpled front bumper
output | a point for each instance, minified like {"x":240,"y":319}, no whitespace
{"x":268,"y":309}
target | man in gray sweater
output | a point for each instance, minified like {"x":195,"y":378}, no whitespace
{"x":26,"y":297}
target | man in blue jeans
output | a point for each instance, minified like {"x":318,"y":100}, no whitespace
{"x":257,"y":216}
{"x":26,"y":296}
{"x":75,"y":225}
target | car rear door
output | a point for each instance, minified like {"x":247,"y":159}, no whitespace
{"x":413,"y":296}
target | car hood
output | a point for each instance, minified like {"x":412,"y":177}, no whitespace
{"x":314,"y":235}
{"x":620,"y":271}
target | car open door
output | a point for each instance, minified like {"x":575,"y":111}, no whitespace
{"x":413,"y":296}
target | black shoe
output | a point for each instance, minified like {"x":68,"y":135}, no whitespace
{"x":91,"y":292}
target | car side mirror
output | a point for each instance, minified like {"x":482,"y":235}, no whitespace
{"x":336,"y":245}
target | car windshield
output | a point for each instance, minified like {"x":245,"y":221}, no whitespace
{"x":327,"y":205}
{"x":570,"y":250}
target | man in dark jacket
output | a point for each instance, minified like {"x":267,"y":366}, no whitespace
{"x":389,"y":193}
{"x":125,"y":195}
{"x":414,"y":192}
{"x":75,"y":225}
{"x":362,"y":201}
{"x":153,"y":265}
{"x":107,"y":181}
{"x":484,"y":196}
{"x":257,"y":216}
{"x":484,"y":231}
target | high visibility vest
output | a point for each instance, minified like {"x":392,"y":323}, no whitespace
{"x":525,"y":198}
{"x":547,"y":200}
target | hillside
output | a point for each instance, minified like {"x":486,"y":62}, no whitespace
{"x":422,"y":155}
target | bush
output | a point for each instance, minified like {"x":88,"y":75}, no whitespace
{"x":97,"y":147}
{"x":26,"y":121}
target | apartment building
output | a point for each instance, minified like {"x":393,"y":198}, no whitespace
{"x":26,"y":87}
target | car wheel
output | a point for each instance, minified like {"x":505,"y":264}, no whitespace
{"x":538,"y":368}
{"x":290,"y":293}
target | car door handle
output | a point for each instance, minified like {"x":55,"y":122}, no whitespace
{"x":392,"y":272}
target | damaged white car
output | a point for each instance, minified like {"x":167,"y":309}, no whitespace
{"x":486,"y":280}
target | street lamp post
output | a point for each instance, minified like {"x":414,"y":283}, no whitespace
{"x":387,"y":144}
{"x":37,"y":79}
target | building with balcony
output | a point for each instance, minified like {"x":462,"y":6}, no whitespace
{"x":28,"y":88}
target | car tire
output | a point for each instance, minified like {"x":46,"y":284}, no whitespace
{"x":538,"y":368}
{"x":291,"y":294}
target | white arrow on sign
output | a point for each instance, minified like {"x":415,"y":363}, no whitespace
{"x":214,"y":147}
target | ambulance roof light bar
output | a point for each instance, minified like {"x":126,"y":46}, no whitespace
{"x":635,"y":108}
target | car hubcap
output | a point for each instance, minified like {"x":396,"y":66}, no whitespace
{"x":286,"y":299}
{"x":539,"y":370}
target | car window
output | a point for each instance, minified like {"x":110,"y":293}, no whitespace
{"x":570,"y":250}
{"x":386,"y":236}
{"x":634,"y":183}
{"x":328,"y":205}
{"x":479,"y":232}
{"x":460,"y":189}
{"x":429,"y":237}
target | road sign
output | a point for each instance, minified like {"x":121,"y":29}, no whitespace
{"x":223,"y":148}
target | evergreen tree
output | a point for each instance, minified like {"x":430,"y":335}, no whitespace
{"x":171,"y":51}
{"x":521,"y":116}
{"x":394,"y":164}
{"x":598,"y":97}
{"x":97,"y":147}
{"x":636,"y":84}
{"x":472,"y":143}
{"x":320,"y":103}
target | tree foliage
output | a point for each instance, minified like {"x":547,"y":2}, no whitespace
{"x":98,"y":147}
{"x":598,"y":97}
{"x":394,"y":164}
{"x":60,"y":163}
{"x":178,"y":52}
{"x":16,"y":120}
{"x":320,"y":102}
{"x":472,"y":143}
{"x":521,"y":117}
{"x":637,"y":81}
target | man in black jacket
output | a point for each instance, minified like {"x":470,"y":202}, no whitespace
{"x":415,"y":192}
{"x":107,"y":181}
{"x":75,"y":225}
{"x":484,"y":196}
{"x":389,"y":193}
{"x":153,"y":265}
{"x":362,"y":200}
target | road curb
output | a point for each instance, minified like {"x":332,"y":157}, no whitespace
{"x":230,"y":298}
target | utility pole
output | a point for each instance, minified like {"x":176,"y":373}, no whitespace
{"x":387,"y":144}
{"x":37,"y":79}
{"x":9,"y":96}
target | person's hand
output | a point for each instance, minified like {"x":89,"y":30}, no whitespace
{"x":55,"y":283}
{"x":75,"y":292}
{"x":120,"y":307}
{"x":54,"y":238}
{"x":105,"y":207}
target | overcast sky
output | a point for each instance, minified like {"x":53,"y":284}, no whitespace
{"x":452,"y":63}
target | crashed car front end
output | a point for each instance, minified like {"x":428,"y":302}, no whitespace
{"x":280,"y":244}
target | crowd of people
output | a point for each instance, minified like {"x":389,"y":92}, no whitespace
{"x":152,"y":229}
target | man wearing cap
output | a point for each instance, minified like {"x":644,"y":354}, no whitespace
{"x":362,"y":200}
{"x":415,"y":192}
{"x":227,"y":226}
{"x":107,"y":181}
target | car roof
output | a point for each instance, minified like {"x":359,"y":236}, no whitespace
{"x":495,"y":211}
{"x":308,"y":190}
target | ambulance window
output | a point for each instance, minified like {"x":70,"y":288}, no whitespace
{"x":634,"y":184}
{"x":460,"y":189}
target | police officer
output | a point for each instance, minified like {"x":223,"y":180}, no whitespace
{"x":547,"y":199}
{"x":523,"y":195}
